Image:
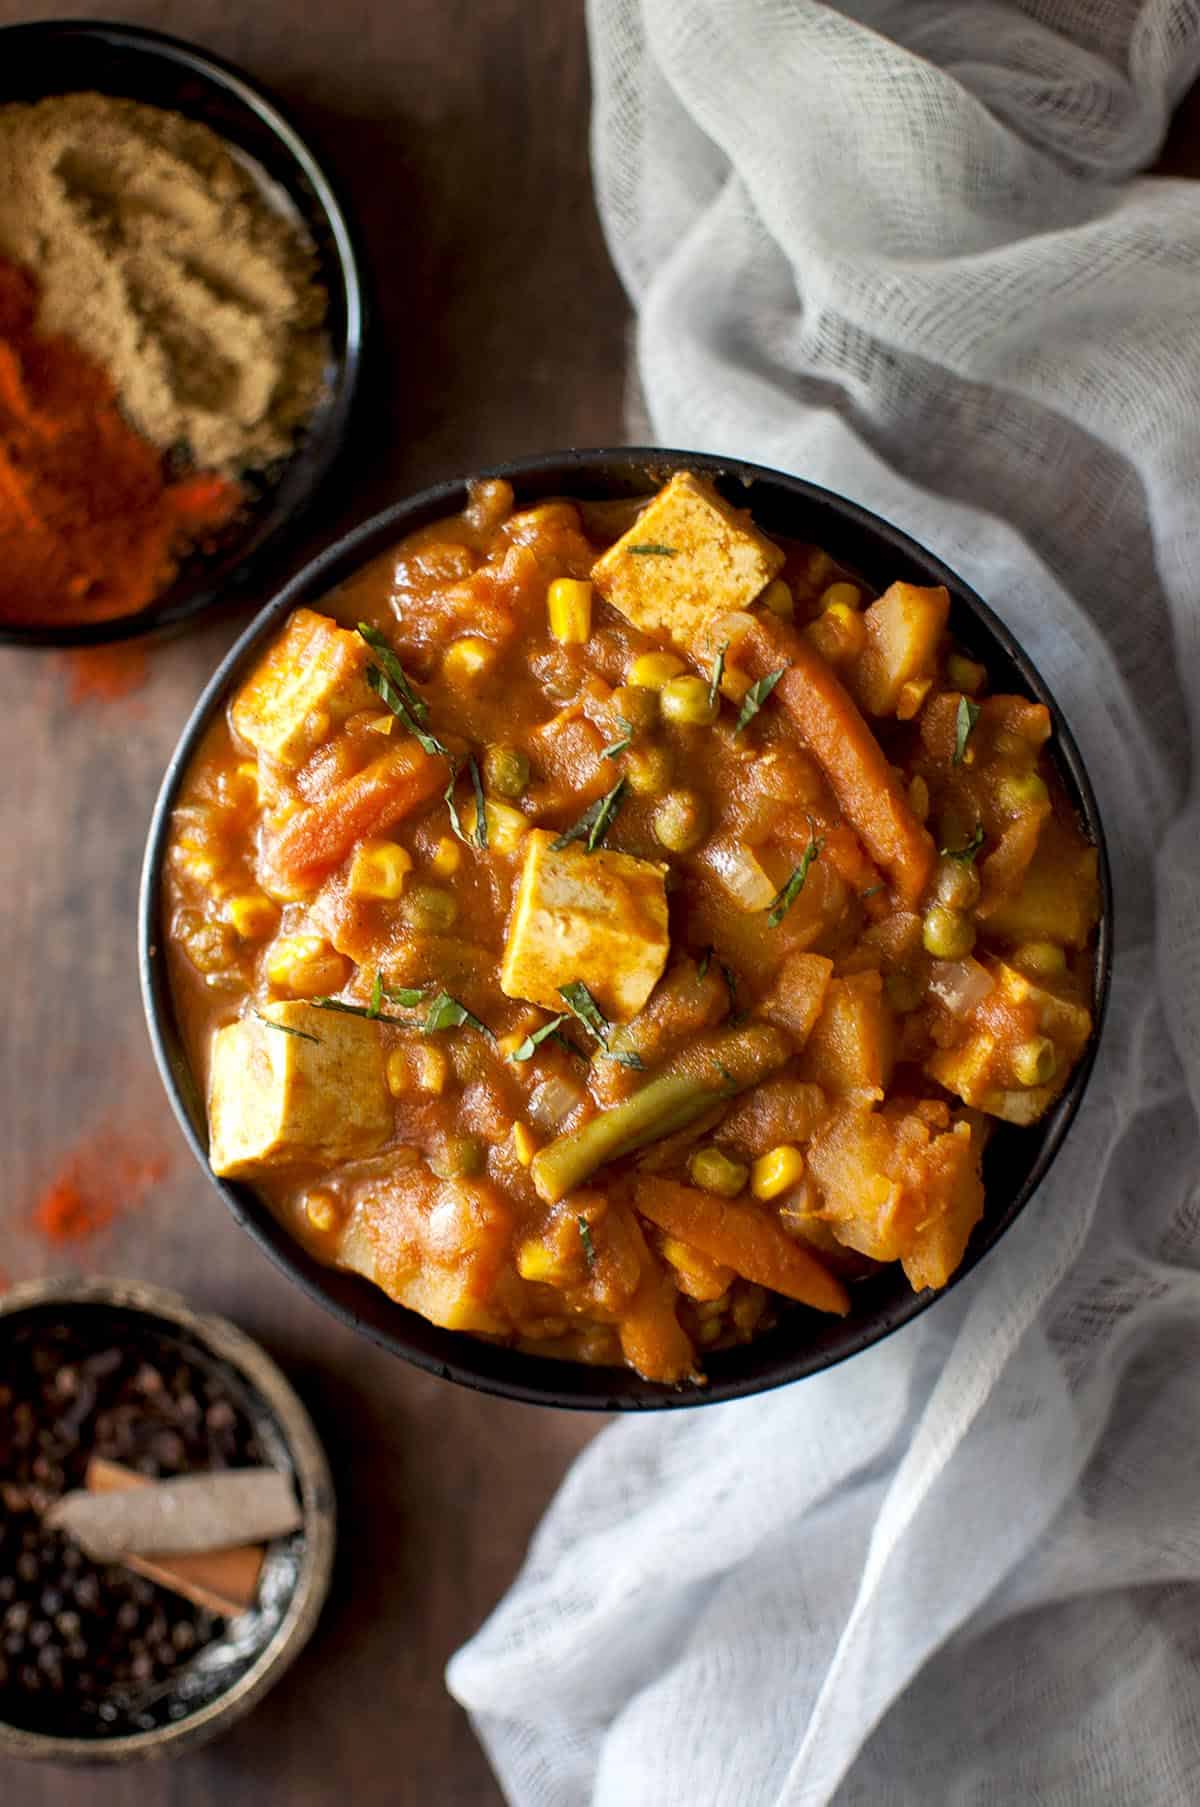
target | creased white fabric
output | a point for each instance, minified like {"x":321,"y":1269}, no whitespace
{"x":904,"y":248}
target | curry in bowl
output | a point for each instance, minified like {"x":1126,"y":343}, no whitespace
{"x":605,"y":927}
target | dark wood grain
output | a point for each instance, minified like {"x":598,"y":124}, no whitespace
{"x":459,"y":133}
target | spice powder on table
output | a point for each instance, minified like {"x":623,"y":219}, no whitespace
{"x":161,"y":338}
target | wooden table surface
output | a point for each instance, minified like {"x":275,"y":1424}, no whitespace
{"x":459,"y":133}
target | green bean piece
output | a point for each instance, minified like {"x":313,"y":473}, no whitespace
{"x":682,"y":1091}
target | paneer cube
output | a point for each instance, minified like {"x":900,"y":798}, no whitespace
{"x":903,"y":628}
{"x":597,"y":917}
{"x":276,"y":1098}
{"x":310,"y":679}
{"x":688,"y":558}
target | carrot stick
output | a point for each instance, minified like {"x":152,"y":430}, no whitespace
{"x":318,"y":838}
{"x":652,"y":1339}
{"x":744,"y":1237}
{"x":828,"y":721}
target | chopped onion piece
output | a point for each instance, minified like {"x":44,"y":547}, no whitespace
{"x":551,"y":1103}
{"x":960,"y":985}
{"x":737,"y":869}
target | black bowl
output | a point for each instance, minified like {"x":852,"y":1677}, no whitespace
{"x":71,"y":56}
{"x":803,"y":1342}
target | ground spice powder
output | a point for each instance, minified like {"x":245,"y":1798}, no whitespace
{"x":89,"y":527}
{"x":98,"y":1183}
{"x":158,"y":252}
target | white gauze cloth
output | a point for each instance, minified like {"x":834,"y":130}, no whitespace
{"x":905,"y":249}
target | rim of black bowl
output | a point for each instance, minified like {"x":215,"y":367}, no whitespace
{"x":803,"y":1342}
{"x":223,"y":578}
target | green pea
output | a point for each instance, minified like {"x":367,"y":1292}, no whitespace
{"x":505,"y":771}
{"x":681,"y":821}
{"x":430,"y":909}
{"x":956,"y":884}
{"x":685,"y":701}
{"x":713,"y":1171}
{"x":947,"y":934}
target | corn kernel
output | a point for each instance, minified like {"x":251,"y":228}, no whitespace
{"x":699,"y":1277}
{"x":468,"y":658}
{"x":569,"y":607}
{"x":965,"y":674}
{"x":841,"y":596}
{"x":379,"y":869}
{"x":775,"y":1171}
{"x":253,"y":915}
{"x":305,"y":966}
{"x":537,"y":1262}
{"x":734,"y":684}
{"x":506,"y":826}
{"x":912,"y":695}
{"x":1034,"y":1061}
{"x":382,"y":724}
{"x":399,"y":1072}
{"x":431,"y":1068}
{"x":918,"y":797}
{"x":447,"y":857}
{"x":525,"y":1143}
{"x":203,"y":867}
{"x":650,"y":671}
{"x":778,"y":598}
{"x":320,"y":1207}
{"x":838,"y":634}
{"x":246,"y":774}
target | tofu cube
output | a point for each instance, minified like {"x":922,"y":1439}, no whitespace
{"x":699,"y":559}
{"x":311,"y":678}
{"x":277,"y":1098}
{"x":597,"y":917}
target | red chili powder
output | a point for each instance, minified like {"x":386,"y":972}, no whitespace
{"x":95,"y":1185}
{"x":104,"y":674}
{"x":91,"y":525}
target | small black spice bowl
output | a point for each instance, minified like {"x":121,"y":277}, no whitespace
{"x":67,"y":56}
{"x":98,"y":1665}
{"x":803,"y":1342}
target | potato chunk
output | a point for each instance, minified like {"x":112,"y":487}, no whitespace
{"x":436,"y":1246}
{"x":851,"y":1048}
{"x":310,"y":678}
{"x":708,"y":559}
{"x":597,"y":917}
{"x":896,"y":1188}
{"x":276,"y":1098}
{"x":983,"y":1069}
{"x":903,"y":628}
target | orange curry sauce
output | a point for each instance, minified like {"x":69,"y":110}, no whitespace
{"x":799,"y":962}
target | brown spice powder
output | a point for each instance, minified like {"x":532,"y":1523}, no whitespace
{"x":158,"y":253}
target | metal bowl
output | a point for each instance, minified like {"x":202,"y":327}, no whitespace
{"x":255,"y":1649}
{"x":70,"y":56}
{"x":803,"y":1342}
